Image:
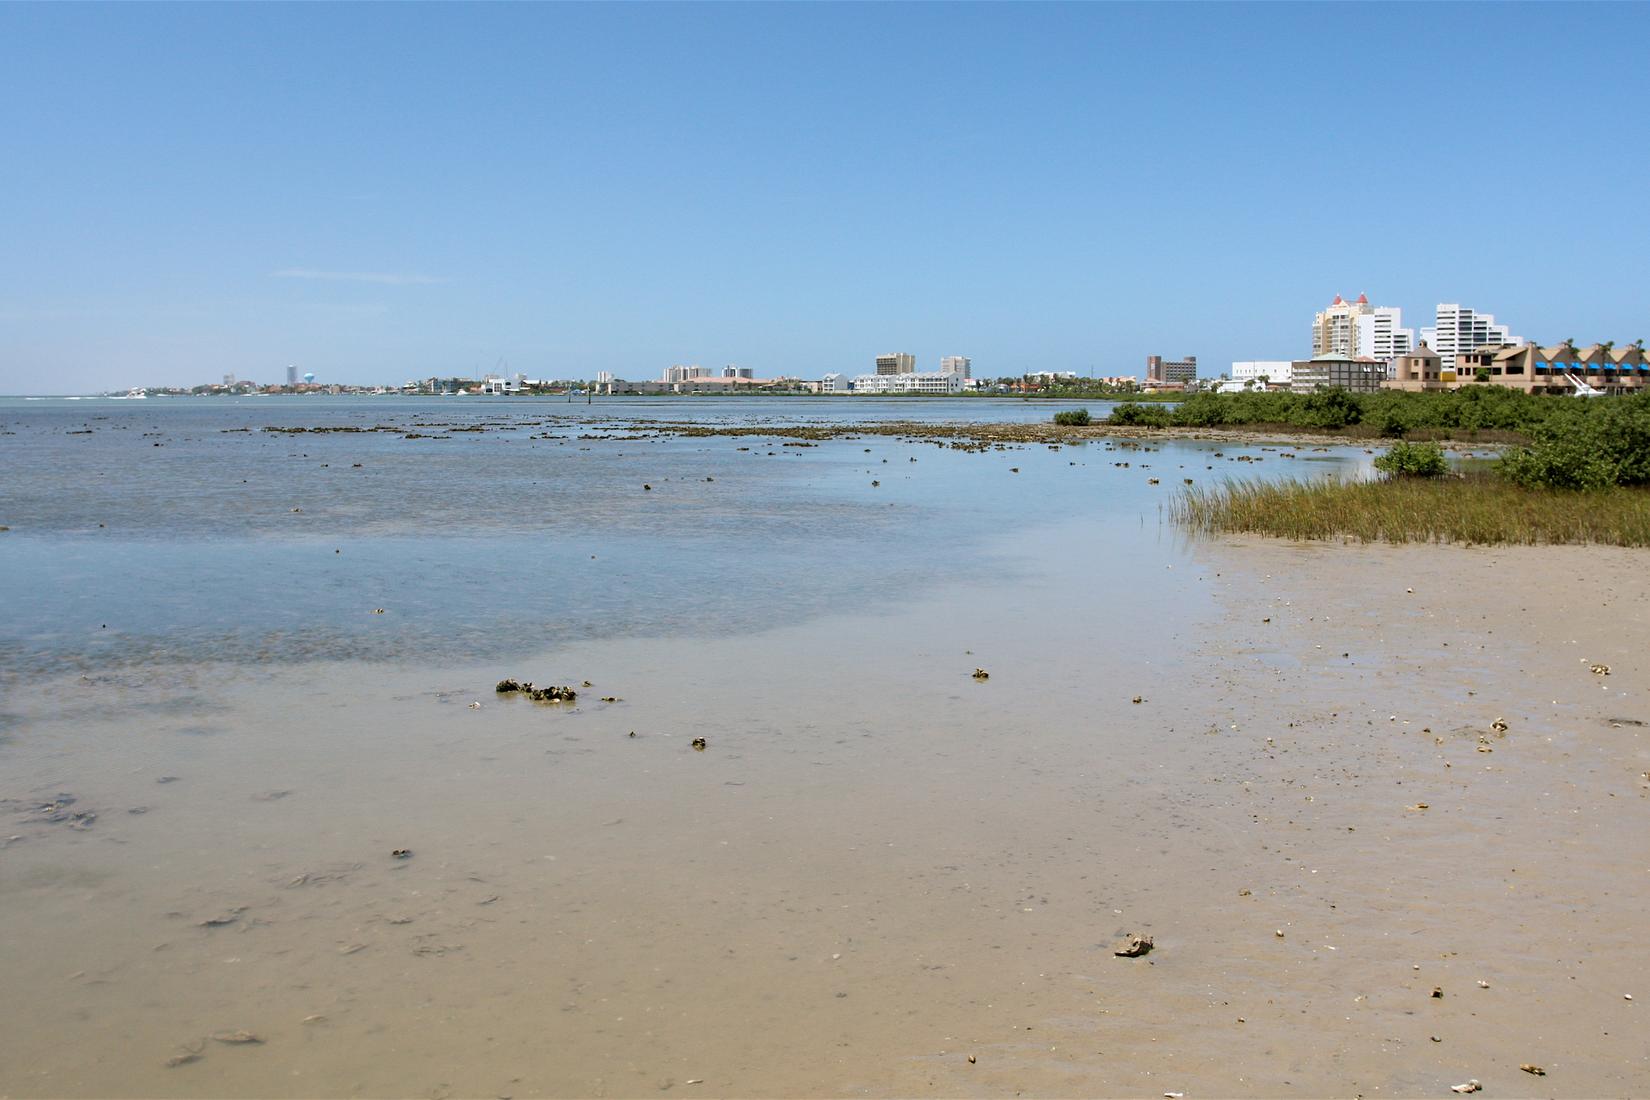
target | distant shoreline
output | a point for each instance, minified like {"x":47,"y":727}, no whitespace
{"x":564,"y":395}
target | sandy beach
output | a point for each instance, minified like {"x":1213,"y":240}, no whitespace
{"x":881,"y":877}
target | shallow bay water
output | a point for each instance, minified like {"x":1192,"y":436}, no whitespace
{"x":881,"y":876}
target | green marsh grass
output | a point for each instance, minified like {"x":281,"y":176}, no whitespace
{"x":1479,"y":508}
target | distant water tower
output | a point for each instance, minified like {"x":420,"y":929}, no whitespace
{"x":309,"y":377}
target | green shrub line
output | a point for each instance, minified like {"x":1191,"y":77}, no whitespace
{"x":1477,"y":509}
{"x":1394,"y":414}
{"x":1572,"y":443}
{"x":1072,"y":418}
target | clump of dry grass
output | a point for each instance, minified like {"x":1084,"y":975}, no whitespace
{"x":1477,"y":509}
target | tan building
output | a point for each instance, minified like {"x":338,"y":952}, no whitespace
{"x":1419,"y":371}
{"x":1554,"y":369}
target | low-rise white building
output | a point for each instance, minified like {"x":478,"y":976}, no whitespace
{"x":910,"y":382}
{"x":1277,"y":372}
{"x":834,"y":383}
{"x":493,"y":384}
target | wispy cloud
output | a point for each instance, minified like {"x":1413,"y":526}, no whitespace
{"x":386,"y":278}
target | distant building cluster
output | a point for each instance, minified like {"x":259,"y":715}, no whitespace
{"x":897,"y":373}
{"x":1365,"y":348}
{"x":696,"y":373}
{"x":891,"y":374}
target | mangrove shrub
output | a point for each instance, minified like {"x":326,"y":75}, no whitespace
{"x":1588,"y":443}
{"x":1413,"y":460}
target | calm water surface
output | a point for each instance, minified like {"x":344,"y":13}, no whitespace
{"x":179,"y":529}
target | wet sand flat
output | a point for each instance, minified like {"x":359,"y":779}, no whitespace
{"x":881,"y":877}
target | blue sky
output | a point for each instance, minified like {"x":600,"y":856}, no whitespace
{"x":379,"y":192}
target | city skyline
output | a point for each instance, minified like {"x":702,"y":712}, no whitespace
{"x":383,"y":193}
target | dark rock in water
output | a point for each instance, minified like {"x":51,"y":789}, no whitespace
{"x":401,"y":853}
{"x":699,"y":744}
{"x":59,"y":811}
{"x":551,"y":694}
{"x":1137,"y":946}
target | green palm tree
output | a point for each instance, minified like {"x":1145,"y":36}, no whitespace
{"x":1608,"y":366}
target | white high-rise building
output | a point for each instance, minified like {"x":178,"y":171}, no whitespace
{"x":957,"y":364}
{"x":1381,"y":336}
{"x":1460,"y":330}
